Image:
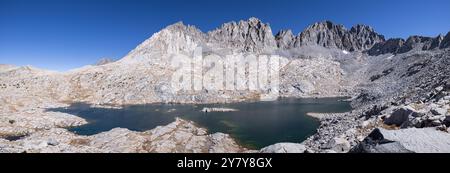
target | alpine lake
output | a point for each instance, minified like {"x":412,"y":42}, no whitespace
{"x":252,"y":124}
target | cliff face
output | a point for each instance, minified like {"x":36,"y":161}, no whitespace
{"x":285,"y":39}
{"x":329,"y":35}
{"x":254,"y":36}
{"x":251,"y":35}
{"x":398,"y":45}
{"x":324,"y":34}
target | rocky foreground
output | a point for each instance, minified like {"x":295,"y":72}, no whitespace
{"x":37,"y":131}
{"x":399,"y":89}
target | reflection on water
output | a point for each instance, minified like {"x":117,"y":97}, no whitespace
{"x":254,"y":125}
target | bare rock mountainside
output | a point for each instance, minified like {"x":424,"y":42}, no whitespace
{"x":399,"y":89}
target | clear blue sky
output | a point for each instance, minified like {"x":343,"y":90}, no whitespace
{"x":66,"y":34}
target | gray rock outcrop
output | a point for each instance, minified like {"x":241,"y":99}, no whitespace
{"x":362,"y":37}
{"x":284,"y":148}
{"x":329,"y":35}
{"x":434,"y":43}
{"x":425,"y":140}
{"x":393,"y":46}
{"x":445,"y":41}
{"x":251,"y":35}
{"x":324,"y":34}
{"x":338,"y":145}
{"x":285,"y":39}
{"x":179,"y":136}
{"x":398,"y":45}
{"x":401,"y":116}
{"x":104,"y":61}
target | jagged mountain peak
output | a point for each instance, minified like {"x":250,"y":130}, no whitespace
{"x":434,"y":43}
{"x":445,"y":41}
{"x":177,"y":24}
{"x":284,"y":38}
{"x":392,"y":45}
{"x":326,"y":24}
{"x":361,"y":27}
{"x":362,"y":37}
{"x":104,"y":61}
{"x":284,"y":32}
{"x":248,"y":35}
{"x":330,"y":35}
{"x":399,"y":45}
{"x":253,"y":20}
{"x":417,"y":39}
{"x":180,"y":26}
{"x":174,"y":38}
{"x":253,"y":35}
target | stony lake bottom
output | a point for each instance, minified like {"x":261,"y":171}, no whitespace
{"x":253,"y":124}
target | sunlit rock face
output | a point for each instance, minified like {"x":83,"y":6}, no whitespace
{"x":251,"y":35}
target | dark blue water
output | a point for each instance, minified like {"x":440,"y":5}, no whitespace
{"x":254,"y":125}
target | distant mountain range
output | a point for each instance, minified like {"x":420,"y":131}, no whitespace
{"x":253,"y":35}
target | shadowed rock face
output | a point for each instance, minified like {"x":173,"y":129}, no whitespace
{"x":414,"y":41}
{"x":433,"y":44}
{"x":327,"y":34}
{"x":389,"y":46}
{"x":398,"y":45}
{"x":445,"y":41}
{"x":324,"y":34}
{"x":362,"y":37}
{"x":254,"y":36}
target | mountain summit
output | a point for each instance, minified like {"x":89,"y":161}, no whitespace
{"x":327,"y":34}
{"x":254,"y":36}
{"x":251,"y":35}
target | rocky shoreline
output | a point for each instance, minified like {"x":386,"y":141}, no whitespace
{"x":30,"y":128}
{"x":44,"y":132}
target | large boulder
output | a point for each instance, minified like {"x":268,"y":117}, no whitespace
{"x":447,"y":121}
{"x":438,"y":111}
{"x":424,"y":140}
{"x":401,"y":116}
{"x":338,"y":145}
{"x":284,"y":148}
